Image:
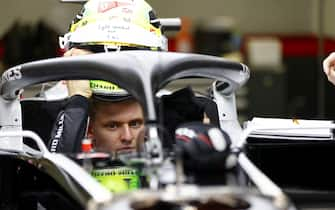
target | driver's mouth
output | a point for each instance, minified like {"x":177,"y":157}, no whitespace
{"x":126,"y":149}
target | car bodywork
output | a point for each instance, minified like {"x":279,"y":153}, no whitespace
{"x":31,"y":175}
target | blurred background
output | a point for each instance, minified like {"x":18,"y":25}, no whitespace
{"x":282,"y":42}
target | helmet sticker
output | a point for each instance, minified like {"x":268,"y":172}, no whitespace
{"x":107,"y":5}
{"x":106,"y":88}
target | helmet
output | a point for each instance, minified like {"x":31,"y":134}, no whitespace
{"x":104,"y":25}
{"x":118,"y":179}
{"x":116,"y":24}
{"x":107,"y":91}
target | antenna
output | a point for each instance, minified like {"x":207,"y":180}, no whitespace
{"x":169,"y":24}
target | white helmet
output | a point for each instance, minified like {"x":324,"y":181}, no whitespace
{"x":116,"y":24}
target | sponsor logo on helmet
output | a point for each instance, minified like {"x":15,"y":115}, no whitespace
{"x":103,"y":85}
{"x":107,"y":5}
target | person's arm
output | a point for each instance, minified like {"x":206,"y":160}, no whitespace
{"x":71,"y":123}
{"x":70,"y":126}
{"x":329,"y":67}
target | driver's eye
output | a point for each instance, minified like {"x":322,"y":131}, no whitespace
{"x":112,"y":125}
{"x":135,"y":124}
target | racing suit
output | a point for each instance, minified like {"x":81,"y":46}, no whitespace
{"x":70,"y":126}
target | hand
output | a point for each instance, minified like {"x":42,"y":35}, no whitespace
{"x":329,"y":67}
{"x":78,"y":87}
{"x":76,"y":51}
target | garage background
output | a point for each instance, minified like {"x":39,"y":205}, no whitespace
{"x":296,"y":34}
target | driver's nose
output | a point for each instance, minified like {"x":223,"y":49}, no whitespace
{"x":126,"y":135}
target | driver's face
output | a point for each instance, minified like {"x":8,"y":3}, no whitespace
{"x":117,"y":126}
